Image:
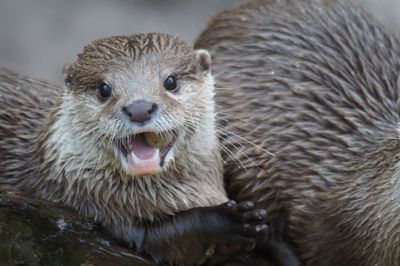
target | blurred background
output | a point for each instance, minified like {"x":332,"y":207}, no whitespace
{"x":37,"y":37}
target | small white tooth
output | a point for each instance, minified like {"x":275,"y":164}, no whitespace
{"x":156,"y":155}
{"x":135,"y":159}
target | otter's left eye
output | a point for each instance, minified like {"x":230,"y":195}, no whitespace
{"x":104,"y":91}
{"x":170,"y":83}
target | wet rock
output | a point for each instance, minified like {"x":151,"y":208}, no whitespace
{"x":40,"y":233}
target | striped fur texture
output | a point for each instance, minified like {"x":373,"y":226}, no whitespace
{"x":59,"y":143}
{"x":316,"y":83}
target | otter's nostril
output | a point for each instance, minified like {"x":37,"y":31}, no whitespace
{"x":153,"y":109}
{"x":140,"y":111}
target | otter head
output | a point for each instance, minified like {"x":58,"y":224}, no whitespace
{"x":141,"y":98}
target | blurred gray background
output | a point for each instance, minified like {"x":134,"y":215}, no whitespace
{"x":37,"y":37}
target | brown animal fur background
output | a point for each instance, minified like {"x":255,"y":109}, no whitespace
{"x":315,"y":82}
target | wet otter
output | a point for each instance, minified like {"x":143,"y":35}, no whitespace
{"x":316,"y":83}
{"x":130,"y":142}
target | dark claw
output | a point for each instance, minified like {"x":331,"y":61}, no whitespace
{"x":261,"y":214}
{"x":255,"y":216}
{"x":253,"y":230}
{"x":261,"y":228}
{"x":245,"y":206}
{"x":231,"y":204}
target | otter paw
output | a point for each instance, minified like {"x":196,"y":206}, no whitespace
{"x":247,"y":223}
{"x":234,"y":223}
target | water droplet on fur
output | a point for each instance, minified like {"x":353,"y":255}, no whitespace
{"x":271,"y":73}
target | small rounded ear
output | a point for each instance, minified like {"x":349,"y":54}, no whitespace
{"x":203,"y":59}
{"x":68,"y":77}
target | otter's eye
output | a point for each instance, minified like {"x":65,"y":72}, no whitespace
{"x":170,"y":83}
{"x":104,"y":91}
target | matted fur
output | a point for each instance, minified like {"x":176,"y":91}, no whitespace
{"x":59,"y":144}
{"x":315,"y":82}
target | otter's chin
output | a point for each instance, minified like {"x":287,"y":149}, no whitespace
{"x":145,"y":153}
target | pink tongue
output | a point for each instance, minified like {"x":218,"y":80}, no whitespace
{"x":142,"y":159}
{"x":141,"y":149}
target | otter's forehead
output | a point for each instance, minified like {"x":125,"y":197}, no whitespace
{"x":141,"y":52}
{"x":135,"y":47}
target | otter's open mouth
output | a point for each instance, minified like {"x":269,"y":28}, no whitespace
{"x":146,"y":152}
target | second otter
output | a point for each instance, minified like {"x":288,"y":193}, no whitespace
{"x":315,"y":82}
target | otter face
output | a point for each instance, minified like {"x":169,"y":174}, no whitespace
{"x":144,"y":98}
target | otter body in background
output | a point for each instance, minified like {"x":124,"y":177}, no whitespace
{"x":131,"y":143}
{"x":315,"y":82}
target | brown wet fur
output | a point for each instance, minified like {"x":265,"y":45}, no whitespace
{"x":61,"y":145}
{"x":56,"y":143}
{"x":30,"y":127}
{"x":316,"y":83}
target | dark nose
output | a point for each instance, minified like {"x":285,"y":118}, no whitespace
{"x":140,"y":111}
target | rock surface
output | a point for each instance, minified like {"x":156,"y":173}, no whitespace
{"x":40,"y":233}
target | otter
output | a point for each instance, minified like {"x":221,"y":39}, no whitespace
{"x":130,"y":142}
{"x":315,"y":83}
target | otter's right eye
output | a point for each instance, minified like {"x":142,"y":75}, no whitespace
{"x":104,"y":91}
